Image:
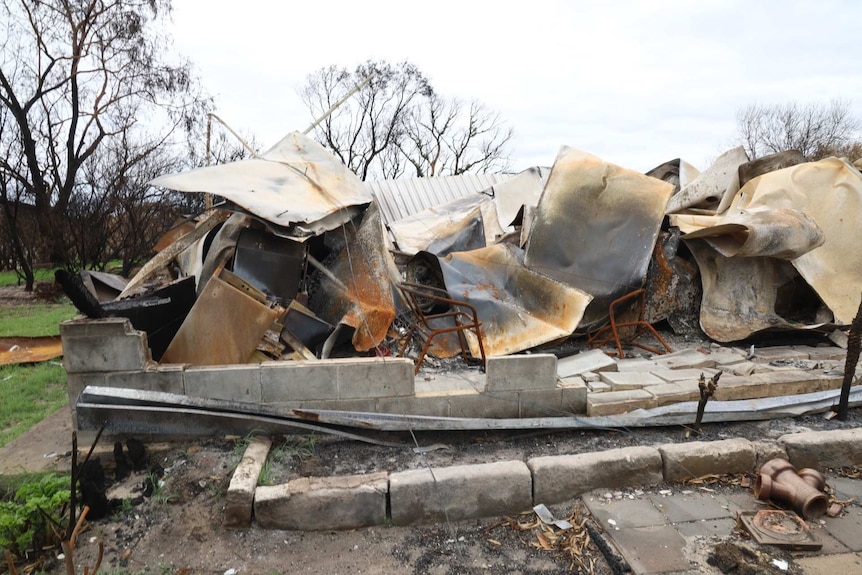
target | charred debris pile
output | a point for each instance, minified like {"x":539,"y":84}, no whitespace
{"x":302,"y":260}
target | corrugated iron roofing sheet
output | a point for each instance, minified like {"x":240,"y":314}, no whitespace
{"x":401,"y":198}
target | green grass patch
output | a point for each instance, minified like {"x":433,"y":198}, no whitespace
{"x":35,"y":320}
{"x":10,"y":277}
{"x":29,"y":393}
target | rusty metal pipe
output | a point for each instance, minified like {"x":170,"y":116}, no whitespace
{"x":802,"y":490}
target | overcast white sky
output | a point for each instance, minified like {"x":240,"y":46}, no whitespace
{"x":636,"y":83}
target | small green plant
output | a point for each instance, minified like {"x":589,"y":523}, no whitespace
{"x":29,"y":519}
{"x":295,"y":448}
{"x":160,"y":494}
{"x":265,"y":477}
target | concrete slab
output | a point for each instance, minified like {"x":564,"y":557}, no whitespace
{"x":616,"y":402}
{"x":686,"y":358}
{"x":694,"y":507}
{"x":720,"y":527}
{"x":618,"y":514}
{"x":847,"y":529}
{"x":687,"y":374}
{"x":778,"y":352}
{"x":846,"y":488}
{"x":462,"y":380}
{"x":598,"y":386}
{"x":657,"y":549}
{"x":620,"y":381}
{"x":587,"y":361}
{"x":830,"y":564}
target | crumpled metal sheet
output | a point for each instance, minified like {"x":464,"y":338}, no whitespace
{"x":740,"y":294}
{"x":676,"y":172}
{"x":829,"y":194}
{"x":595,"y":228}
{"x":439,"y":224}
{"x":223,"y":327}
{"x":364,"y":300}
{"x":297,"y":181}
{"x":522,"y":189}
{"x":14,"y":350}
{"x":708,"y":188}
{"x":782,"y":233}
{"x":518,"y":307}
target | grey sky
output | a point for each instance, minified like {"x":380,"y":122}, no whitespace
{"x":636,"y":83}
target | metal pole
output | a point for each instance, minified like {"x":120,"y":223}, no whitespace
{"x":335,"y":106}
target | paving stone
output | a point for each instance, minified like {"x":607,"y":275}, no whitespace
{"x":744,"y":367}
{"x":831,"y":546}
{"x":590,"y":376}
{"x":828,"y":353}
{"x":517,"y":372}
{"x":616,"y":402}
{"x":587,"y":361}
{"x":847,"y":529}
{"x":558,"y":478}
{"x":771,"y":384}
{"x":694,"y":507}
{"x":239,"y":501}
{"x":460,"y":492}
{"x":658,"y":549}
{"x":725,"y":357}
{"x":620,"y":381}
{"x":598,"y":386}
{"x":668,"y":393}
{"x":846,"y":488}
{"x":323,"y":503}
{"x":618,"y":514}
{"x":636,"y":364}
{"x":830,"y":564}
{"x":819,"y":449}
{"x":717,"y":527}
{"x":677,"y":375}
{"x":778,"y":352}
{"x":698,"y":458}
{"x":686,"y":358}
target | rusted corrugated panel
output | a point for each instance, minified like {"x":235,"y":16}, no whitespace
{"x":224,"y":327}
{"x":15,"y":350}
{"x":365,"y":269}
{"x":296,"y":181}
{"x":398,"y":199}
{"x":595,"y":228}
{"x":519,"y":308}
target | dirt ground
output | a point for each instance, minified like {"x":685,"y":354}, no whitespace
{"x":179,"y":529}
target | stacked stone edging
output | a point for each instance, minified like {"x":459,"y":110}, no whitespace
{"x":430,"y":495}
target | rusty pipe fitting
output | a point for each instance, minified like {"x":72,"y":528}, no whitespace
{"x":778,"y":480}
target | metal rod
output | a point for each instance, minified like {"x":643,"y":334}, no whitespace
{"x":338,"y":104}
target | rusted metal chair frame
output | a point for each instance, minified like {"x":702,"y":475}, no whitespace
{"x":463,"y":315}
{"x":596,"y":339}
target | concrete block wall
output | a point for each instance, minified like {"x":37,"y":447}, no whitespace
{"x":108,"y":352}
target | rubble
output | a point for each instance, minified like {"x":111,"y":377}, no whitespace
{"x":301,"y":262}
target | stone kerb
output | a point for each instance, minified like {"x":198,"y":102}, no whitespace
{"x":558,"y":478}
{"x":427,"y":495}
{"x":824,"y":449}
{"x":683,"y":461}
